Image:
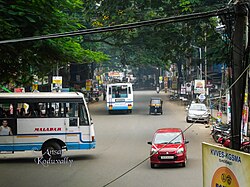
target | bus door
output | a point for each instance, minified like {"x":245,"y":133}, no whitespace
{"x":72,"y":126}
{"x":87,"y":136}
{"x":78,"y":131}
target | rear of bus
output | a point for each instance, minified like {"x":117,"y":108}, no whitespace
{"x":120,"y":97}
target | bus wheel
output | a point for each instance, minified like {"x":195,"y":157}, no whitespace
{"x":52,"y":150}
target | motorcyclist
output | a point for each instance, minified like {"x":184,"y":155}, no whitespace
{"x":157,"y":89}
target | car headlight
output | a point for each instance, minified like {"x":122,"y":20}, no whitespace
{"x":153,"y":151}
{"x":181,"y":150}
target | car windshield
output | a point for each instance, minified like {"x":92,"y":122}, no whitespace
{"x":171,"y":137}
{"x":198,"y":107}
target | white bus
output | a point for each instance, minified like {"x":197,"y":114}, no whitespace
{"x":120,"y":97}
{"x":46,"y":121}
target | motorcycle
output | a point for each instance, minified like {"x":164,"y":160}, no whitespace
{"x":226,"y":142}
{"x":224,"y":138}
{"x":173,"y":97}
{"x":157,"y":89}
{"x":217,"y":129}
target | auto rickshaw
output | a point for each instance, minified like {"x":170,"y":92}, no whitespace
{"x":155,"y":106}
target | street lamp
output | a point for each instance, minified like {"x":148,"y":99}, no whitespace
{"x":200,"y":60}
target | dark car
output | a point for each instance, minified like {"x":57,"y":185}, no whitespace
{"x":168,"y":147}
{"x":155,"y":106}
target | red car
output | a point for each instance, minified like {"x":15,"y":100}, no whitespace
{"x":168,"y":147}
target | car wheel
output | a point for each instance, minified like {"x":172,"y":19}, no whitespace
{"x":188,"y":121}
{"x":152,"y":165}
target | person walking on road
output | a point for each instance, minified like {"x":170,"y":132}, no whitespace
{"x":104,"y":94}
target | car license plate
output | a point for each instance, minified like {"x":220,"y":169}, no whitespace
{"x":167,"y":157}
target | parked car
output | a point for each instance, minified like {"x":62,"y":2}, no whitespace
{"x":197,"y":112}
{"x":168,"y":147}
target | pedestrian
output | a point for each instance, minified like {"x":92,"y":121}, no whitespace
{"x":104,"y":94}
{"x":5,"y":129}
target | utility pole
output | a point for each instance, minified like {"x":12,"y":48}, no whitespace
{"x":199,"y":75}
{"x":238,"y":66}
{"x":205,"y":60}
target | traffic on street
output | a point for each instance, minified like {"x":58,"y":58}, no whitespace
{"x":121,"y":156}
{"x":128,"y":93}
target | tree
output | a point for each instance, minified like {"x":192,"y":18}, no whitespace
{"x":160,"y":44}
{"x":19,"y":19}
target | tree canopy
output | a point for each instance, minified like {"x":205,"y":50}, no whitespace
{"x":19,"y":19}
{"x":157,"y":45}
{"x":160,"y":44}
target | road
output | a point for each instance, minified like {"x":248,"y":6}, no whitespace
{"x":121,"y":152}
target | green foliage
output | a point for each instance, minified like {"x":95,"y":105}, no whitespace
{"x":161,"y":44}
{"x":19,"y":19}
{"x":158,"y":45}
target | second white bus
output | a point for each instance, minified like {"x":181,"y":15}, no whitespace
{"x":120,"y":97}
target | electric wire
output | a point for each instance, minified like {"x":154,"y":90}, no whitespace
{"x":226,"y":91}
{"x":173,"y":19}
{"x":120,"y":176}
{"x":134,"y":167}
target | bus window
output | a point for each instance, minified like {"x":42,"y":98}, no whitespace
{"x":73,"y":114}
{"x":129,"y":90}
{"x":8,"y":113}
{"x":83,"y":116}
{"x":123,"y":92}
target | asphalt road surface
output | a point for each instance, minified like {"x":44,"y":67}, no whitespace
{"x":121,"y":156}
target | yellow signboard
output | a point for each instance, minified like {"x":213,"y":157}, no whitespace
{"x":223,"y":167}
{"x":57,"y":80}
{"x":88,"y":84}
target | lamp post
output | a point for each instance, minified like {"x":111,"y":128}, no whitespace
{"x":199,"y":59}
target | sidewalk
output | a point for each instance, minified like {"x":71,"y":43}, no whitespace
{"x":214,"y":115}
{"x":214,"y":112}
